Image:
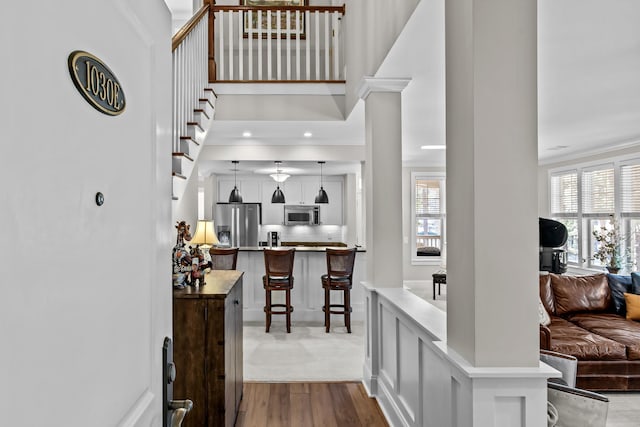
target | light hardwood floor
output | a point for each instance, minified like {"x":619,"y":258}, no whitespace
{"x":308,"y":404}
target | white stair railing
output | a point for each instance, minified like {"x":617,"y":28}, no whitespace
{"x":286,"y":43}
{"x":193,"y":100}
{"x":190,"y":78}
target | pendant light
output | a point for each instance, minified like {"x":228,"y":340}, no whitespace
{"x":278,"y":195}
{"x":322,"y":195}
{"x":235,"y":196}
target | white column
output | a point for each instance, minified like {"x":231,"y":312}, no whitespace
{"x":383,"y":179}
{"x":491,"y":79}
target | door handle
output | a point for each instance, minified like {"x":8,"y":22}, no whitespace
{"x":179,"y":409}
{"x":174,"y":410}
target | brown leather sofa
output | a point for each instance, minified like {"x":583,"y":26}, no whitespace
{"x":586,"y":323}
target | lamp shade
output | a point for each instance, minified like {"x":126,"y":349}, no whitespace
{"x":205,"y":234}
{"x":322,"y":196}
{"x":278,"y":196}
{"x":235,"y":196}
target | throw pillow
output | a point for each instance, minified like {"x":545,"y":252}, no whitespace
{"x":635,"y":283}
{"x":619,"y":285}
{"x":633,"y":306}
{"x":543,"y":316}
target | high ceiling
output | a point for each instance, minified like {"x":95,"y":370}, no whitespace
{"x":588,"y":85}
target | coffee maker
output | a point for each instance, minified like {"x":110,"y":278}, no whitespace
{"x":273,"y":237}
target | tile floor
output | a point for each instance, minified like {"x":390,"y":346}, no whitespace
{"x":310,"y":354}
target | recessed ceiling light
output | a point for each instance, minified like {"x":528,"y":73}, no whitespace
{"x":308,"y":134}
{"x":434,"y":147}
{"x":246,"y":134}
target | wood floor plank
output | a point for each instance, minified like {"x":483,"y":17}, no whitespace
{"x":366,"y":407}
{"x":299,"y":388}
{"x":279,"y":405}
{"x":322,"y":410}
{"x":300,"y":409}
{"x":257,"y":407}
{"x":345,"y":411}
{"x":308,"y":404}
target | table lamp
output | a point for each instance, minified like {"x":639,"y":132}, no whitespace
{"x":205,"y":235}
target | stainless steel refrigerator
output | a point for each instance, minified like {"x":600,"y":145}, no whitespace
{"x":238,"y":224}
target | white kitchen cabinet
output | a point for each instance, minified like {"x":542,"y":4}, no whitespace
{"x":310,"y":189}
{"x":331,"y":213}
{"x":250,"y":190}
{"x":224,"y":190}
{"x":272,"y":213}
{"x":292,"y":189}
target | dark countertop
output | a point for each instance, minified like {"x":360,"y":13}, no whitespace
{"x":297,"y":248}
{"x":218,"y":285}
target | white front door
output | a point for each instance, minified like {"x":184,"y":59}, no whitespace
{"x":86,"y":289}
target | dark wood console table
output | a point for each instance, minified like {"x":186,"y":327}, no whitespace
{"x":207,"y":337}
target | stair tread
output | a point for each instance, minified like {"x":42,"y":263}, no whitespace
{"x":207,"y":101}
{"x":200,"y":110}
{"x":178,"y":175}
{"x":212,"y":91}
{"x":180,"y":154}
{"x":195,"y":124}
{"x":189,"y":138}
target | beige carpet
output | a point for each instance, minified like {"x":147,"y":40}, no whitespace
{"x":306,"y":354}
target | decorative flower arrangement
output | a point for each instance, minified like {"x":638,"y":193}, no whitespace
{"x":609,"y":240}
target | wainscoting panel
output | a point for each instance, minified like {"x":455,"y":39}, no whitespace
{"x":422,"y":382}
{"x":388,"y":346}
{"x":435,"y":388}
{"x":408,"y":368}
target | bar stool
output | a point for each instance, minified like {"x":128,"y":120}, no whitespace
{"x":338,"y":278}
{"x":278,"y":264}
{"x":223,"y":258}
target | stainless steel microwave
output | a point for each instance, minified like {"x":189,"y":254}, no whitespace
{"x":301,"y":215}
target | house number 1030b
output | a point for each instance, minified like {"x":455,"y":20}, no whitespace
{"x":96,"y":83}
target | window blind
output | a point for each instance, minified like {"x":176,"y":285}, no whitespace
{"x":564,"y":193}
{"x":630,"y":188}
{"x":598,"y":191}
{"x":427,"y":197}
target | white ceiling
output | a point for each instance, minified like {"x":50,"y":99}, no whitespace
{"x":588,"y":85}
{"x":268,"y":167}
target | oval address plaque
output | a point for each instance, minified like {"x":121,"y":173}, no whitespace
{"x":96,"y":83}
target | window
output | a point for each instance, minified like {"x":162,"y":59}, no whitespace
{"x":428,"y":219}
{"x":584,"y":198}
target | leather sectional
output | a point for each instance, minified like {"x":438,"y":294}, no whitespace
{"x":588,"y":321}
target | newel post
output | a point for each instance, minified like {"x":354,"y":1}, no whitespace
{"x":212,"y":59}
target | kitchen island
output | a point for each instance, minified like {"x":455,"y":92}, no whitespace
{"x":307,"y":297}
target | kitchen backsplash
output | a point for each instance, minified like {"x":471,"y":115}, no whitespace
{"x":306,"y":233}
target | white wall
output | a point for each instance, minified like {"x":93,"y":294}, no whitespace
{"x":86,"y":295}
{"x":186,"y":209}
{"x":370,"y":28}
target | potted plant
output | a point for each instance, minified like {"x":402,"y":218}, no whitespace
{"x":609,"y":240}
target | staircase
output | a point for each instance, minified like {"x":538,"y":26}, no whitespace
{"x":190,"y":141}
{"x":194,"y":100}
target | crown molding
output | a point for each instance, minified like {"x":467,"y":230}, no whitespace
{"x":378,"y":84}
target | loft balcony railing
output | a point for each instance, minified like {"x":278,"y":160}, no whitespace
{"x":276,"y":44}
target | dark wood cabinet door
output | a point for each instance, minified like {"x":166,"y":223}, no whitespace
{"x":239,"y":361}
{"x":189,"y":357}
